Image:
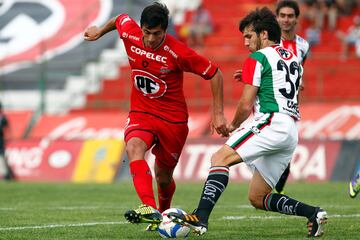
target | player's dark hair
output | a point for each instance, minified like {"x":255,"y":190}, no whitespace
{"x":288,"y":3}
{"x":154,"y":15}
{"x":262,"y":19}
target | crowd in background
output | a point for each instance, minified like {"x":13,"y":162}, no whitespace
{"x":316,"y":16}
{"x":323,"y":15}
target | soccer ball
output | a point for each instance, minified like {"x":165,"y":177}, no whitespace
{"x":169,"y":229}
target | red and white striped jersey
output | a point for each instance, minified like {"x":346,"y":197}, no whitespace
{"x":299,"y":46}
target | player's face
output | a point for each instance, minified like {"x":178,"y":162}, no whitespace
{"x":287,"y":19}
{"x":153,"y":37}
{"x":251,"y":39}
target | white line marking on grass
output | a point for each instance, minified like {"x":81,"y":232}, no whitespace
{"x":65,"y":208}
{"x":357,"y":215}
{"x":77,"y":208}
{"x":324,"y":206}
{"x":7,"y":209}
{"x":60,"y":226}
{"x":118,"y":207}
{"x":345,"y":215}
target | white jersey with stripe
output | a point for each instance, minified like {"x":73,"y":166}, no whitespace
{"x":277,"y":73}
{"x":299,"y":46}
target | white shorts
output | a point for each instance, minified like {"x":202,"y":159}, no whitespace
{"x":266,"y":144}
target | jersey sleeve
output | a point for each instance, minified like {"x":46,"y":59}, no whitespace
{"x":190,"y":61}
{"x":124,"y":23}
{"x":251,"y":72}
{"x":301,"y":72}
{"x":306,"y":52}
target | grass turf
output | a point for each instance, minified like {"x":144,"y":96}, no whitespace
{"x":95,"y":211}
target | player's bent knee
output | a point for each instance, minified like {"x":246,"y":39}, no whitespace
{"x":135,"y":150}
{"x":225,"y":156}
{"x":256,"y":200}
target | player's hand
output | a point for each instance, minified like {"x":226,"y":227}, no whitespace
{"x":92,"y":33}
{"x":218,"y":124}
{"x":231,"y":128}
{"x":302,"y":87}
{"x":238,"y":75}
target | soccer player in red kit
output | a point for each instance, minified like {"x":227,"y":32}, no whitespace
{"x":158,"y":113}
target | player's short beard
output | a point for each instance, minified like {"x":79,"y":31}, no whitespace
{"x":258,"y":43}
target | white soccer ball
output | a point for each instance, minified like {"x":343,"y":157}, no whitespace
{"x":169,"y":229}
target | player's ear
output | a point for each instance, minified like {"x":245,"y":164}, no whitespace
{"x":264,"y":35}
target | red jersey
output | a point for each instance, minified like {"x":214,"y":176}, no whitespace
{"x":157,"y":75}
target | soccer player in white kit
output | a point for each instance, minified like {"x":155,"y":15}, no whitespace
{"x":272,"y":76}
{"x":287,"y":13}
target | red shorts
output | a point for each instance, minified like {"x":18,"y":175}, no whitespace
{"x":168,"y":138}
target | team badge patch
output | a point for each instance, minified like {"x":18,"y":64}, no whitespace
{"x":284,"y":54}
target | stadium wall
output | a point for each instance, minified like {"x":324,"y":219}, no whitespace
{"x":105,"y":161}
{"x":88,"y":146}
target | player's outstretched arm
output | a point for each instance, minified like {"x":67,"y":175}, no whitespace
{"x":218,"y":122}
{"x":94,"y":33}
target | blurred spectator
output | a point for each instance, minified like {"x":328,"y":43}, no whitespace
{"x":5,"y":169}
{"x":311,"y":11}
{"x":173,"y":9}
{"x":180,"y":12}
{"x":201,"y":25}
{"x":313,"y":34}
{"x":320,"y":11}
{"x":350,"y":38}
{"x":347,"y":6}
{"x":329,"y":13}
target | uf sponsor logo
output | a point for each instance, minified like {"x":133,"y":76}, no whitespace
{"x":149,"y":85}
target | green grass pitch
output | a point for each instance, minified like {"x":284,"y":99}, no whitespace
{"x":95,"y":211}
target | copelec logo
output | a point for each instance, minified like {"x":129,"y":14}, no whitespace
{"x":33,"y":29}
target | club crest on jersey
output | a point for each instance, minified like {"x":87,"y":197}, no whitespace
{"x":165,"y":70}
{"x":148,"y":84}
{"x":284,"y":54}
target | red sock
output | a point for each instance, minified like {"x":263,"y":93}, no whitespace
{"x":165,"y":196}
{"x":142,"y":179}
